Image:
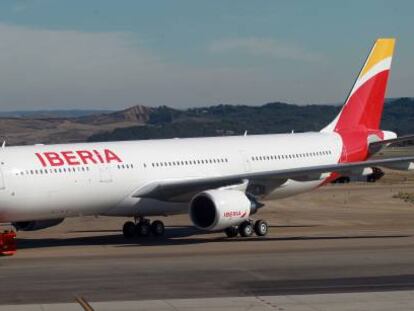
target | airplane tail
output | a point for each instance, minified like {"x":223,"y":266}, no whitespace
{"x":364,"y":105}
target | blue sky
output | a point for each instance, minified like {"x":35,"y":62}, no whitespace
{"x":114,"y":54}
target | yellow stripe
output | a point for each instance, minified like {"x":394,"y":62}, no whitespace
{"x":383,"y":48}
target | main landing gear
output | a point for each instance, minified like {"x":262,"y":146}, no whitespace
{"x":247,"y":228}
{"x":143,"y":228}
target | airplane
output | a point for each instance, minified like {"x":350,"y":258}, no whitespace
{"x":219,"y":181}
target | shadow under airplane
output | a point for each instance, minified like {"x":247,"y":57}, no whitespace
{"x":173,"y":236}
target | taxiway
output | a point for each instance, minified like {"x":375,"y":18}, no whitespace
{"x":354,"y":238}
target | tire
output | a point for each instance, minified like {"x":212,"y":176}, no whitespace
{"x":129,"y":230}
{"x":157,"y":228}
{"x":246,"y":229}
{"x":261,"y":228}
{"x":143,"y":229}
{"x":231,"y":232}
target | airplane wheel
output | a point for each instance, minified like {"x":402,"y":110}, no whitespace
{"x":129,"y":230}
{"x":231,"y":232}
{"x":246,"y":229}
{"x":143,"y":229}
{"x":157,"y":228}
{"x":261,"y":228}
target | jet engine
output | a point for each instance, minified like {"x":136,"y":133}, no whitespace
{"x":216,"y":210}
{"x":36,"y":224}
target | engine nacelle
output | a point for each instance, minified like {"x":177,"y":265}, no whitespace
{"x":215,"y":210}
{"x":36,"y":224}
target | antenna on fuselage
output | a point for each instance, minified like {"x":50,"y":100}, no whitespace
{"x":245,"y":133}
{"x":3,"y":145}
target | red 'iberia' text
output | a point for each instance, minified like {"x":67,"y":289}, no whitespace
{"x":78,"y":157}
{"x":232,"y":214}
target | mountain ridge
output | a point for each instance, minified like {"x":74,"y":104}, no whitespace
{"x":141,"y":122}
{"x":165,"y":122}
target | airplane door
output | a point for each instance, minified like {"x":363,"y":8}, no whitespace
{"x":2,"y":184}
{"x":105,"y":174}
{"x":246,"y":161}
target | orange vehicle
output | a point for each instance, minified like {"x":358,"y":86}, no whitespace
{"x":7,"y":243}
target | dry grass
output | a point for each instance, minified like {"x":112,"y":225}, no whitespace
{"x":406,"y":196}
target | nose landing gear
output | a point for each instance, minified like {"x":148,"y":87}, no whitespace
{"x":143,"y":228}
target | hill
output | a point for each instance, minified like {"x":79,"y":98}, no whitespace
{"x":36,"y":128}
{"x":50,"y":113}
{"x":165,"y":122}
{"x":140,"y":122}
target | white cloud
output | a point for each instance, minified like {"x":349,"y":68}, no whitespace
{"x":41,"y":67}
{"x":45,"y":69}
{"x":265,"y":47}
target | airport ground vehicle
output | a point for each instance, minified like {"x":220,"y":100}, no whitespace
{"x":7,"y":243}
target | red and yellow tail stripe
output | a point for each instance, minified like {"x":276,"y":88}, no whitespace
{"x":379,"y":60}
{"x":364,"y":105}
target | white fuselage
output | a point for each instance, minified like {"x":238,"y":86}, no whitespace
{"x":70,"y":183}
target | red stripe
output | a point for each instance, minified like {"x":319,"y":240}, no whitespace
{"x":364,"y":107}
{"x":361,"y":117}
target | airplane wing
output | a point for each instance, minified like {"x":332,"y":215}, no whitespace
{"x":183,"y":190}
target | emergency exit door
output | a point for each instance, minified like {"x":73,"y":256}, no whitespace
{"x":105,"y":174}
{"x":2,"y":185}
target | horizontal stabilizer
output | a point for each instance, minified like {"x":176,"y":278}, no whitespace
{"x":378,"y":146}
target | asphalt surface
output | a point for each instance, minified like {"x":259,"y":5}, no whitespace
{"x":345,"y":247}
{"x":318,"y":265}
